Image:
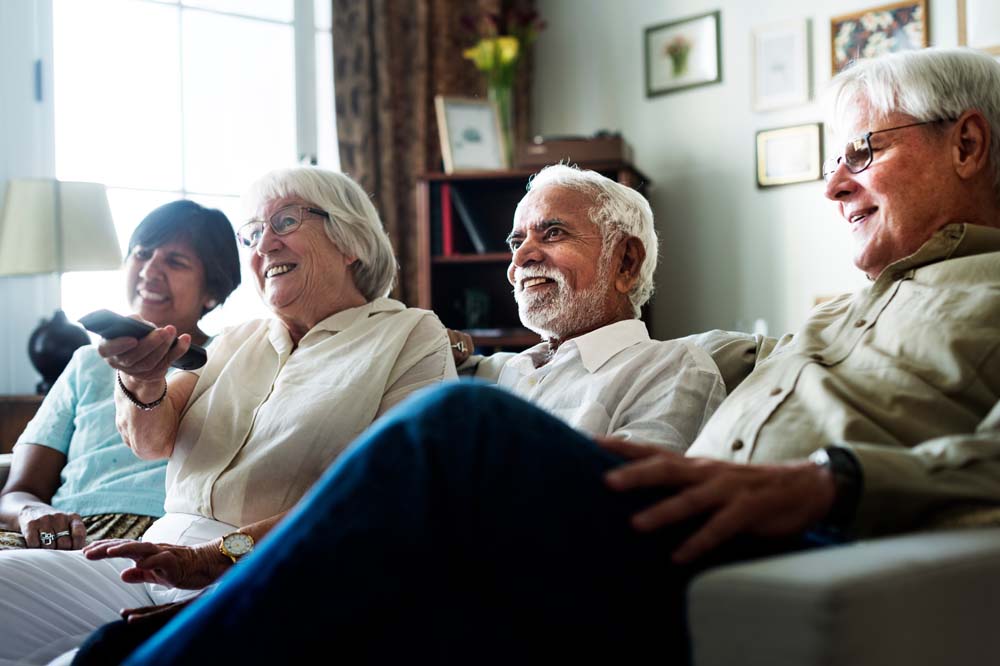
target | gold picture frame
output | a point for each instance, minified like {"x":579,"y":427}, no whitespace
{"x":787,"y":155}
{"x":985,"y":16}
{"x":879,"y":30}
{"x":471,"y":138}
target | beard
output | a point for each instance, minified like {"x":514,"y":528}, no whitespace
{"x":558,"y":311}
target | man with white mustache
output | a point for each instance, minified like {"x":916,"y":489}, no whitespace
{"x":584,"y":253}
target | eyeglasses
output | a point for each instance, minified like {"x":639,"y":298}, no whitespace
{"x":283,"y":222}
{"x":857,"y":155}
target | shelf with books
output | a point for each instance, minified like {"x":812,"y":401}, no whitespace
{"x":462,"y":224}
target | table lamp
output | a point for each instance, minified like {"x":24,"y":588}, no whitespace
{"x":50,"y":226}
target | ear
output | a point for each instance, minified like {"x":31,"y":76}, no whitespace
{"x":971,"y":149}
{"x":632,"y":254}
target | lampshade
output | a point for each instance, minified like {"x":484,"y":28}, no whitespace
{"x":50,"y":226}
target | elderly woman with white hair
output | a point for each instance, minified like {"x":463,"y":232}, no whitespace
{"x":251,"y":431}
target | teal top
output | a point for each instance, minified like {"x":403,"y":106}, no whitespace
{"x":101,"y":475}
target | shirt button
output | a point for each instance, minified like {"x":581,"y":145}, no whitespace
{"x":859,"y":323}
{"x":737,"y":445}
{"x":775,"y":391}
{"x":816,"y":357}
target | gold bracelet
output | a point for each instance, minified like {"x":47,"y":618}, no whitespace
{"x":144,"y":406}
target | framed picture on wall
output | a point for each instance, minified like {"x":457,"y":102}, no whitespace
{"x":470,"y":135}
{"x":979,"y":25}
{"x":683,"y":54}
{"x":789,"y":155}
{"x":781,"y":65}
{"x":873,"y":32}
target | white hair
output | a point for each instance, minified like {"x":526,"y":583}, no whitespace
{"x":929,"y":84}
{"x":618,"y":211}
{"x":354,"y":225}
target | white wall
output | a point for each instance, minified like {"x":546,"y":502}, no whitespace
{"x":26,"y":150}
{"x":730,"y":253}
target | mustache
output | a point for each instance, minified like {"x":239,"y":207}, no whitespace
{"x":535,"y":272}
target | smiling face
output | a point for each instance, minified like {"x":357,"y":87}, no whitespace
{"x":904,"y":196}
{"x":166,"y":285}
{"x":302,"y":276}
{"x":561,"y":276}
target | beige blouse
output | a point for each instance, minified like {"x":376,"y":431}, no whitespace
{"x":264,"y":421}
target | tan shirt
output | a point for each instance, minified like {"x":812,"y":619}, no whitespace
{"x":616,"y":382}
{"x":906,"y":373}
{"x":264,"y":421}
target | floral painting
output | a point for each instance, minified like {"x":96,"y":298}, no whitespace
{"x":683,"y":54}
{"x":873,"y":32}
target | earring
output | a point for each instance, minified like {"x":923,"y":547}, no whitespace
{"x":211,"y":303}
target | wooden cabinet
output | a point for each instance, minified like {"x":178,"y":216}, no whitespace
{"x":15,"y":412}
{"x":462,"y":223}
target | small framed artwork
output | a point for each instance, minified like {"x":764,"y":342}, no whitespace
{"x":683,"y":54}
{"x":979,"y":25}
{"x":470,"y":134}
{"x":781,"y":65}
{"x":879,"y":30}
{"x":789,"y":155}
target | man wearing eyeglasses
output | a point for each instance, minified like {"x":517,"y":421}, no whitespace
{"x":516,"y":537}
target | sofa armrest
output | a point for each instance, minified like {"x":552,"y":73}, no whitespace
{"x":5,"y":459}
{"x":919,"y":599}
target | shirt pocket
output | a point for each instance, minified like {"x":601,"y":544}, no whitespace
{"x":590,"y":418}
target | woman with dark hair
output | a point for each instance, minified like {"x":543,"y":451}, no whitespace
{"x":73,"y":480}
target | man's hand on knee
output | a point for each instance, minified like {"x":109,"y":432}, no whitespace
{"x":760,"y":500}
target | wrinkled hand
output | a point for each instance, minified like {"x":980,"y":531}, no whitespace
{"x":159,"y":614}
{"x":186,"y":567}
{"x":144,"y":363}
{"x":34,"y":519}
{"x":461,"y":345}
{"x":761,"y":500}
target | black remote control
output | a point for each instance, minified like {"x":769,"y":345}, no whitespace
{"x":110,"y":325}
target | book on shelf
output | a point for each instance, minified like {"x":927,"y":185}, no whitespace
{"x":467,"y":221}
{"x":447,"y":231}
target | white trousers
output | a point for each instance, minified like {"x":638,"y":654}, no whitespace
{"x":51,"y":600}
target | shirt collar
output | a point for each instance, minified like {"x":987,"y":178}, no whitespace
{"x":596,"y":348}
{"x":949,"y":242}
{"x":338,"y":321}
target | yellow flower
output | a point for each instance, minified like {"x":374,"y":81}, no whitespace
{"x":509,"y":49}
{"x":491,"y":53}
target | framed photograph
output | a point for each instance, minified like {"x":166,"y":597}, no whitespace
{"x":873,"y":32}
{"x":789,"y":155}
{"x":781,"y":65}
{"x":979,"y":25}
{"x":470,"y":134}
{"x":683,"y":54}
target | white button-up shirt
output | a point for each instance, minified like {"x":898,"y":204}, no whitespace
{"x":267,"y":418}
{"x":617,"y":382}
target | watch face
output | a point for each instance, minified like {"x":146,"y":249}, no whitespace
{"x":238,"y":544}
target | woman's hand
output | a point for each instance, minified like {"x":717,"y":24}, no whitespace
{"x":44,"y":526}
{"x":143,"y":363}
{"x":185,"y":567}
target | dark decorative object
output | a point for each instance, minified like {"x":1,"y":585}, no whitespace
{"x":51,"y":346}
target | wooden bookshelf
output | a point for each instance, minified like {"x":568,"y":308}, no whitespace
{"x":462,"y":254}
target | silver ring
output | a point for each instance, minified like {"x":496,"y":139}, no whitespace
{"x":460,"y":346}
{"x":47,"y":538}
{"x":62,"y":534}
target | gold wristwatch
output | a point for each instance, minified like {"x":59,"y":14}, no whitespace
{"x":236,"y":545}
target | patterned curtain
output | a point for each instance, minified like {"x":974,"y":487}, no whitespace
{"x":391,"y":57}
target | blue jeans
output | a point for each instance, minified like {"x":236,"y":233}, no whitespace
{"x":465,"y":527}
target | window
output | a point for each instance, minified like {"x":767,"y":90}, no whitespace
{"x":161,"y":100}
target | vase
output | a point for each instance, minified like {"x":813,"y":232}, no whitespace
{"x":502,"y":95}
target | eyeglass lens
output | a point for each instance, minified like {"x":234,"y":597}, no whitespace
{"x":283,"y":222}
{"x":857,"y":156}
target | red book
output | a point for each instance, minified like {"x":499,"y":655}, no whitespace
{"x":447,"y":234}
